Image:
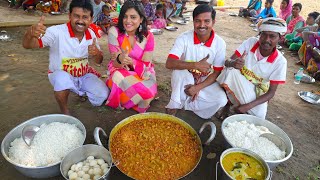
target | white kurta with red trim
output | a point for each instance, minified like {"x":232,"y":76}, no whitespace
{"x":188,"y":48}
{"x":272,"y":69}
{"x":69,"y":64}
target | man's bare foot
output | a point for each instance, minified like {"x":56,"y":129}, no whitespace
{"x":223,"y":113}
{"x":172,"y":112}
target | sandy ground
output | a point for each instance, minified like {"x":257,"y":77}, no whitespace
{"x":25,"y":92}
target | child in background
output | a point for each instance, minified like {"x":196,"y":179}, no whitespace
{"x":104,"y":20}
{"x":113,"y":4}
{"x":159,"y":21}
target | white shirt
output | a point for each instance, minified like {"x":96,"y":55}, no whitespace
{"x":66,"y":52}
{"x":188,"y":47}
{"x":272,"y":68}
{"x":96,"y":10}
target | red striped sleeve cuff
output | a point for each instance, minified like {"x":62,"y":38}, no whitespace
{"x":40,"y":43}
{"x":277,"y":82}
{"x":238,"y":54}
{"x":173,"y":56}
{"x":217,"y":68}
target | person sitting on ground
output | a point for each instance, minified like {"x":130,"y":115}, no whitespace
{"x":285,"y":9}
{"x":311,"y":56}
{"x":295,"y":43}
{"x":104,"y":20}
{"x":170,"y":8}
{"x":132,"y":77}
{"x":71,"y":44}
{"x":305,"y":52}
{"x":97,"y":8}
{"x":268,"y":11}
{"x":113,"y":4}
{"x":29,"y":5}
{"x":197,"y":58}
{"x":159,"y":22}
{"x":148,"y":9}
{"x":255,"y":70}
{"x":253,"y":9}
{"x":295,"y":21}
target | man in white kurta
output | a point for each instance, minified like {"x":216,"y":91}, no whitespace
{"x":197,"y":58}
{"x":257,"y":58}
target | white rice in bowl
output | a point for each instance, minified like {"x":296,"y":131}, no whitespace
{"x":246,"y":135}
{"x":51,"y":143}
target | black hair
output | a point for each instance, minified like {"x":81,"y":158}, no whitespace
{"x":136,"y":5}
{"x":85,"y":4}
{"x":270,"y":1}
{"x":159,"y":6}
{"x":314,"y":15}
{"x":105,"y":7}
{"x":287,"y":1}
{"x":203,"y":8}
{"x":297,"y":5}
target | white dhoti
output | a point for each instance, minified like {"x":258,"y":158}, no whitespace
{"x":207,"y":103}
{"x":241,"y":91}
{"x":89,"y":84}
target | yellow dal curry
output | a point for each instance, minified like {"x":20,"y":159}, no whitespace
{"x":155,"y":149}
{"x":242,"y":167}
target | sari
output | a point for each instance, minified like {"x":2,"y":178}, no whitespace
{"x":293,"y":24}
{"x":285,"y":13}
{"x":134,"y":88}
{"x":305,"y":54}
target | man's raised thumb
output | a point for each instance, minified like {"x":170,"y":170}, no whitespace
{"x":42,"y":18}
{"x":94,"y":42}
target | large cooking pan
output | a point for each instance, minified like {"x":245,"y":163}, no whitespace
{"x":161,"y":116}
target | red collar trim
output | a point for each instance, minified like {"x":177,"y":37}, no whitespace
{"x":87,"y":33}
{"x":271,"y":58}
{"x":197,"y":41}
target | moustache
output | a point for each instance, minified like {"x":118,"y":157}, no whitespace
{"x":266,"y":43}
{"x":202,"y":28}
{"x":82,"y":24}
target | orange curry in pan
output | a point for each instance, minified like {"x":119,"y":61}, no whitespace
{"x":155,"y":149}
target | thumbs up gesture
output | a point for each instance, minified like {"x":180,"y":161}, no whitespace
{"x":38,"y":30}
{"x":92,"y":49}
{"x":203,"y":65}
{"x":239,"y":62}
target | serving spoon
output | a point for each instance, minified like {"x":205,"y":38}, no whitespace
{"x":28,"y":133}
{"x":278,"y":141}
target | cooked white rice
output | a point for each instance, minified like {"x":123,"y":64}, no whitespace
{"x":51,"y":143}
{"x":245,"y":135}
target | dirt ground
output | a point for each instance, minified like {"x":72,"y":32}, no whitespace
{"x":25,"y":92}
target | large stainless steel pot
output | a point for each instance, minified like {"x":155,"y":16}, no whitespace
{"x":261,"y":122}
{"x":44,"y":171}
{"x":226,"y":176}
{"x":158,"y":116}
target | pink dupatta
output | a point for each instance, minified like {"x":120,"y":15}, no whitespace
{"x":285,"y":13}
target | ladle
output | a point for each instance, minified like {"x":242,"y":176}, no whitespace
{"x":28,"y":133}
{"x":278,"y":141}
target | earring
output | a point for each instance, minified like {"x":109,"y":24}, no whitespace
{"x":140,"y":28}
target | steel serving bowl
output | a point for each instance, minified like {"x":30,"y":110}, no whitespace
{"x":81,"y":153}
{"x":260,"y":122}
{"x":309,"y":97}
{"x":226,"y":176}
{"x":42,"y":171}
{"x":161,"y":116}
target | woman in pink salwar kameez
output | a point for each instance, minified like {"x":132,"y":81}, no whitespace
{"x":132,"y":77}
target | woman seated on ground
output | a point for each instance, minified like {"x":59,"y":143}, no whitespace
{"x":253,"y":9}
{"x":132,"y":77}
{"x":285,"y":9}
{"x":305,"y":51}
{"x":295,"y":43}
{"x":309,"y":53}
{"x":295,"y":21}
{"x":159,"y":22}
